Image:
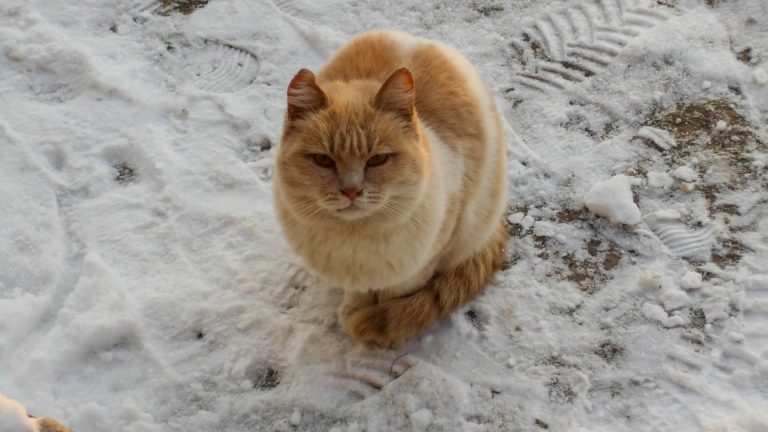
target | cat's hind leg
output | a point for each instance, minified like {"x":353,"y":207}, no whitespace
{"x":393,"y":321}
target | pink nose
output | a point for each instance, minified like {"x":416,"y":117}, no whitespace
{"x":351,"y":192}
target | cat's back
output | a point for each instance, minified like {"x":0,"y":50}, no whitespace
{"x":450,"y":95}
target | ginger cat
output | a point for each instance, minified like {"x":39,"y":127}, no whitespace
{"x":391,"y":182}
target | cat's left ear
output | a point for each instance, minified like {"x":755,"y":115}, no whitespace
{"x":304,"y":95}
{"x":397,"y":94}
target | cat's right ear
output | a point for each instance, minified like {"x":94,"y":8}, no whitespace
{"x":304,"y":95}
{"x":397,"y":94}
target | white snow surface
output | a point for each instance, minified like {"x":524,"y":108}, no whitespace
{"x":145,"y":284}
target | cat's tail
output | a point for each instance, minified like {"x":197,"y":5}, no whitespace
{"x":395,"y":320}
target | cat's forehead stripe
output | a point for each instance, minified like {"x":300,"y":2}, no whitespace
{"x":349,"y":140}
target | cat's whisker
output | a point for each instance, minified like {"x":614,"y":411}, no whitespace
{"x":309,"y":209}
{"x":394,"y":210}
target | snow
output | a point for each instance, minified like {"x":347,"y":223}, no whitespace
{"x":657,"y":313}
{"x":674,"y":299}
{"x":145,"y":284}
{"x":691,"y":280}
{"x":660,"y":180}
{"x":612,"y":199}
{"x":685,"y":173}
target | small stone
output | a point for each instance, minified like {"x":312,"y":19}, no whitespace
{"x":687,"y":187}
{"x":511,"y":362}
{"x":736,"y":337}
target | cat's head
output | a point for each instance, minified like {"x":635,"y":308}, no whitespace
{"x":351,"y":151}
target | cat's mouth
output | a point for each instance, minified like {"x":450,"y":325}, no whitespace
{"x":352,"y":211}
{"x":352,"y":207}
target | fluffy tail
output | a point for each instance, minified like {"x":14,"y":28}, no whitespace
{"x":395,"y":320}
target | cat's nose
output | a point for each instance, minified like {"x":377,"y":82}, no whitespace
{"x":351,"y":192}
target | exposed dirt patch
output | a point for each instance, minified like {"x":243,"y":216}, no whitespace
{"x":569,"y":215}
{"x":265,"y":378}
{"x":612,"y":258}
{"x":727,"y":253}
{"x":125,"y":174}
{"x":555,"y":360}
{"x":612,"y":388}
{"x":697,"y":318}
{"x":609,"y":351}
{"x":560,"y":390}
{"x":254,"y":148}
{"x":579,"y":123}
{"x":511,"y":258}
{"x":716,"y":142}
{"x":715,"y":139}
{"x":185,"y":7}
{"x":474,"y":319}
{"x":586,"y":273}
{"x":541,"y":423}
{"x":591,"y":273}
{"x":488,"y":9}
{"x":745,"y":55}
{"x":515,"y":229}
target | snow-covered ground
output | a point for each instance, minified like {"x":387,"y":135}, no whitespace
{"x":145,"y":284}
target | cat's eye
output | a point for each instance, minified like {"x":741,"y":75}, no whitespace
{"x":324,"y":161}
{"x":377,"y":160}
